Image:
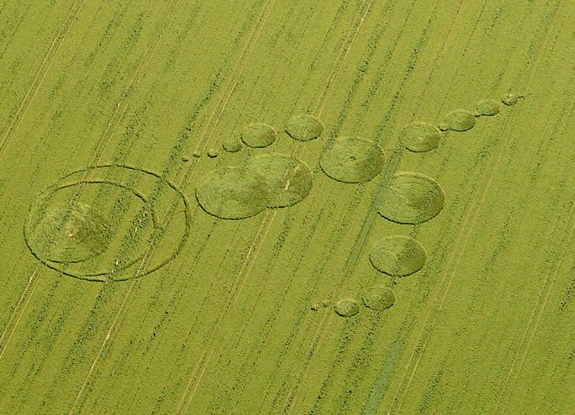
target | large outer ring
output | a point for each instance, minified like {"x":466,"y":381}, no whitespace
{"x":187,"y":211}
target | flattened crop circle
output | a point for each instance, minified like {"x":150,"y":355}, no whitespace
{"x":411,"y":198}
{"x":95,"y":246}
{"x":352,"y":160}
{"x":420,"y":137}
{"x":233,"y":193}
{"x":347,"y":308}
{"x":460,"y":120}
{"x":378,"y":297}
{"x":289,"y":180}
{"x":398,"y":256}
{"x":259,"y":136}
{"x":304,"y":128}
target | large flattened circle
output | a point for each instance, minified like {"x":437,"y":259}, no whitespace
{"x":398,"y":256}
{"x":352,"y":160}
{"x":233,"y":193}
{"x":106,"y":224}
{"x":289,"y":180}
{"x":411,"y":198}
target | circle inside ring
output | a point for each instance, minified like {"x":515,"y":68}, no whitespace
{"x":84,"y":276}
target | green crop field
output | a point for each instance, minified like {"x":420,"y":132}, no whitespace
{"x":287,"y":207}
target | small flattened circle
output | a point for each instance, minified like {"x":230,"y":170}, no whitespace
{"x":411,"y":198}
{"x":420,"y":137}
{"x":378,"y":297}
{"x":398,"y":256}
{"x":488,"y":107}
{"x":304,"y":128}
{"x":259,"y":135}
{"x":289,"y":180}
{"x":510,"y":98}
{"x":233,"y":193}
{"x":352,"y":160}
{"x":347,"y":308}
{"x":460,"y":120}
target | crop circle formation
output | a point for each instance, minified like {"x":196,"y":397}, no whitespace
{"x":460,"y":120}
{"x":99,"y":223}
{"x":411,"y":198}
{"x":233,"y":193}
{"x":259,"y":135}
{"x":288,"y":179}
{"x":352,"y":160}
{"x":304,"y":128}
{"x":398,"y":256}
{"x":420,"y":137}
{"x":378,"y":297}
{"x":347,"y":308}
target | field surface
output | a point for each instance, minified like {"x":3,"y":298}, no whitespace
{"x":287,"y":207}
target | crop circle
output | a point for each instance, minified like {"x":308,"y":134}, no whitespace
{"x":352,"y":160}
{"x":259,"y":135}
{"x":347,"y":308}
{"x":398,"y":256}
{"x":304,"y":128}
{"x":98,"y":225}
{"x":488,"y":107}
{"x":69,"y":233}
{"x":420,"y":137}
{"x":411,"y":198}
{"x":378,"y":297}
{"x":460,"y":120}
{"x":288,"y":179}
{"x":233,"y":193}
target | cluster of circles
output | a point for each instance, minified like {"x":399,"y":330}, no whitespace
{"x":408,"y":198}
{"x":267,"y":181}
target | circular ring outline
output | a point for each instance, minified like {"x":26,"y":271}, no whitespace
{"x":55,"y":189}
{"x":179,"y":247}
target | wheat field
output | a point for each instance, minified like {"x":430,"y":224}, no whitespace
{"x":268,"y":207}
